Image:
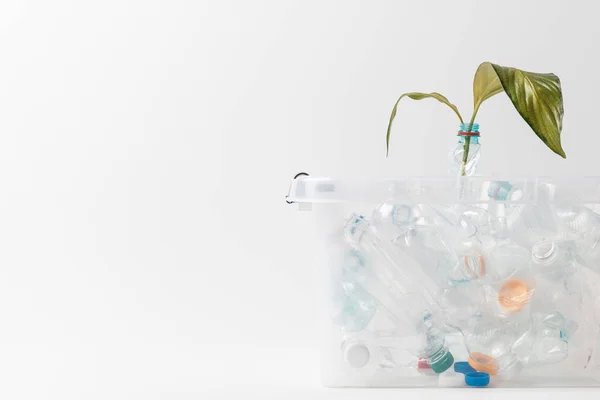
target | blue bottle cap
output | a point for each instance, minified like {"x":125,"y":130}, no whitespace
{"x":477,"y":379}
{"x":463,"y":367}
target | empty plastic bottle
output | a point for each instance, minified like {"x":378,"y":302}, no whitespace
{"x":580,"y":220}
{"x":475,"y":217}
{"x":424,"y":242}
{"x":525,"y":223}
{"x":468,"y":138}
{"x":400,"y":288}
{"x":583,"y":226}
{"x":551,"y":260}
{"x":490,"y":346}
{"x":504,"y":260}
{"x":546,"y":342}
{"x":563,"y":296}
{"x":353,"y":307}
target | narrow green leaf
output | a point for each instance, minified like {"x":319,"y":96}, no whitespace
{"x":417,"y":96}
{"x":485,"y":85}
{"x":538,"y":98}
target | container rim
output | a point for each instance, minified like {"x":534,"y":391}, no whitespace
{"x":462,"y":190}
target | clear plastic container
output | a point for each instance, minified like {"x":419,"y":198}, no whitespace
{"x":502,"y":273}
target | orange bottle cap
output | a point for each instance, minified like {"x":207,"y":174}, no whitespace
{"x":483,"y":363}
{"x":514,"y":295}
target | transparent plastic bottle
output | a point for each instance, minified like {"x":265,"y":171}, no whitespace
{"x":524,"y":223}
{"x":468,"y":138}
{"x":477,"y":219}
{"x":547,"y":341}
{"x":490,"y":346}
{"x":353,"y":307}
{"x":505,"y":260}
{"x":424,"y":241}
{"x":425,"y":244}
{"x":563,"y":296}
{"x":404,"y":292}
{"x":583,"y":225}
{"x":551,"y":260}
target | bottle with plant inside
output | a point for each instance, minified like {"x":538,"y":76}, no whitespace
{"x":464,"y":158}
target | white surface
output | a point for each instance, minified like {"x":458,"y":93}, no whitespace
{"x":147,"y":147}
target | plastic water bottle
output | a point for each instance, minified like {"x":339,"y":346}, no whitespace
{"x":551,"y":260}
{"x":456,"y":155}
{"x":546,"y":342}
{"x":353,"y":307}
{"x":490,"y":346}
{"x":424,"y":241}
{"x":462,"y":303}
{"x":404,"y":292}
{"x":563,"y":296}
{"x":425,"y":244}
{"x":525,"y":223}
{"x":504,"y":260}
{"x":583,"y":224}
{"x":580,"y":220}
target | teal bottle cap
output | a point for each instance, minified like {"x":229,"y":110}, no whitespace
{"x":443,"y":363}
{"x":499,"y":190}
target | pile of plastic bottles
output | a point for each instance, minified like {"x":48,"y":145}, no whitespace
{"x":505,"y":278}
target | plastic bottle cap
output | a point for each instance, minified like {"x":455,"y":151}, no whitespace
{"x":451,"y":379}
{"x":483,"y":363}
{"x":443,"y":363}
{"x":463,"y":367}
{"x":357,"y":355}
{"x":499,"y":190}
{"x":477,"y":379}
{"x":514,"y":295}
{"x":422,"y":364}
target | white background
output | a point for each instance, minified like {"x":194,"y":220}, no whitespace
{"x":145,"y":247}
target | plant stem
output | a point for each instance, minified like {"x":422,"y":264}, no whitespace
{"x":463,"y":167}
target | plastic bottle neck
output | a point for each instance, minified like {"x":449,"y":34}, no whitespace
{"x":474,"y":139}
{"x":466,"y":127}
{"x":544,"y":252}
{"x":468,"y":130}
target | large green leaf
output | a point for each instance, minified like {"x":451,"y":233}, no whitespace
{"x":485,"y":85}
{"x":538,"y":98}
{"x":417,"y":96}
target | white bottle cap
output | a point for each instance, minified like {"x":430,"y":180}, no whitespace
{"x":356,"y":355}
{"x":450,"y":378}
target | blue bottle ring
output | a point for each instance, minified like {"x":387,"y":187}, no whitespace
{"x":477,"y":379}
{"x":463,"y":367}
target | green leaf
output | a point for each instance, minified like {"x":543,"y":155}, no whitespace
{"x":417,"y":96}
{"x":485,"y":85}
{"x":538,"y":98}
